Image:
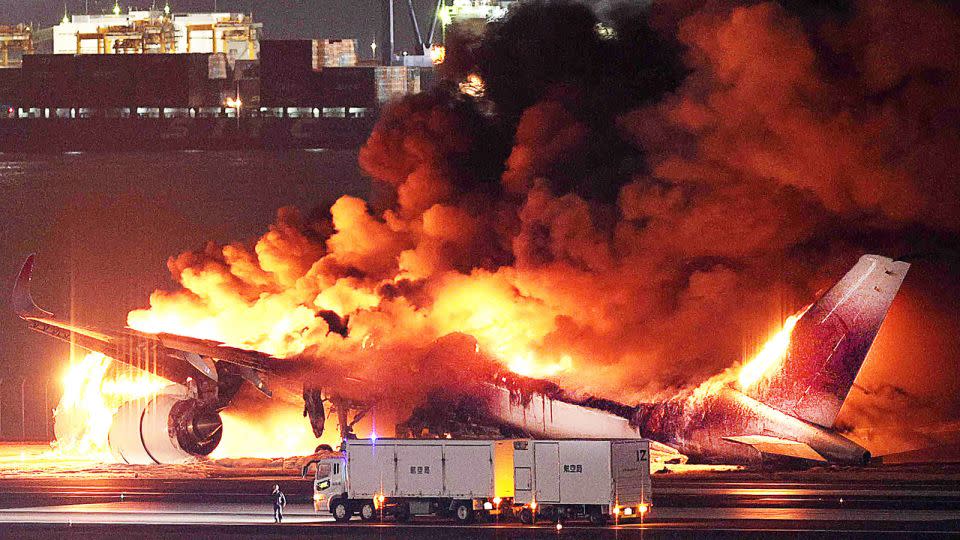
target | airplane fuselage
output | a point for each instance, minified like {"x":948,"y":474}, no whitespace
{"x":698,"y":430}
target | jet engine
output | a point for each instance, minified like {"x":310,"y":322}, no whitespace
{"x":166,"y":428}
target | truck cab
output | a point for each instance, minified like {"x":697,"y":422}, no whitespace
{"x":329,"y":481}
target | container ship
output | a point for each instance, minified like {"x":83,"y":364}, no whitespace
{"x":155,"y":79}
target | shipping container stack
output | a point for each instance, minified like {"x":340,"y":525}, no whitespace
{"x":111,"y":81}
{"x":324,"y":73}
{"x":334,"y":53}
{"x":396,"y":81}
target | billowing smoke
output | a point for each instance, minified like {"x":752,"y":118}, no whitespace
{"x":634,"y":202}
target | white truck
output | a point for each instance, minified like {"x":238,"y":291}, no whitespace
{"x":573,"y":479}
{"x":470,"y":479}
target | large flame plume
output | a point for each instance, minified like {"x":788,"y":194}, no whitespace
{"x":93,"y":389}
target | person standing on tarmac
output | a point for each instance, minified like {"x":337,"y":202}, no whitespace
{"x":279,"y":501}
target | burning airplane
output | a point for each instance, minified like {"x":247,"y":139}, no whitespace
{"x":781,"y":403}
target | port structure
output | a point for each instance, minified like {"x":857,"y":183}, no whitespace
{"x":18,"y":38}
{"x":154,"y":32}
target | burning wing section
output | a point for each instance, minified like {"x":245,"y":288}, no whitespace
{"x":179,"y":423}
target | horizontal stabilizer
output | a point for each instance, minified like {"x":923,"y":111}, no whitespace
{"x":21,"y":300}
{"x":781,"y":447}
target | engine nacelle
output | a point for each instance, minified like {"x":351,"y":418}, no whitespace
{"x":164,"y":429}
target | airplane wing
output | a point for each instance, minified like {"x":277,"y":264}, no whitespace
{"x":170,"y":356}
{"x":778,"y":446}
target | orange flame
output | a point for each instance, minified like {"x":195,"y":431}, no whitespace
{"x":770,"y":356}
{"x":91,"y":396}
{"x":759,"y":367}
{"x":438,"y":53}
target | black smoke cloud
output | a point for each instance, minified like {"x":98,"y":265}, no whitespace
{"x":638,"y":200}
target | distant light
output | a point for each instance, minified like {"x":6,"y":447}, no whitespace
{"x":488,"y":505}
{"x":644,"y":508}
{"x":373,"y":436}
{"x":116,"y":8}
{"x":628,"y":511}
{"x":166,"y":8}
{"x":559,"y":526}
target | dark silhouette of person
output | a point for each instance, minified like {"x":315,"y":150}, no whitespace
{"x":279,"y":501}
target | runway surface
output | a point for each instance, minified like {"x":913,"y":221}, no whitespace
{"x":722,"y":505}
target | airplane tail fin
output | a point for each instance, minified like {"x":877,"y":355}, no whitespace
{"x":831,"y":340}
{"x":21,"y":299}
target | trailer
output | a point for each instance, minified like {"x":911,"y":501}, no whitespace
{"x":479,"y":479}
{"x":597,"y":480}
{"x":376,"y":478}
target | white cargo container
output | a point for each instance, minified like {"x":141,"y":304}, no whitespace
{"x":570,"y":479}
{"x":404,"y":477}
{"x":556,"y":479}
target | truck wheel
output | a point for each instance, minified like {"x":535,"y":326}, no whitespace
{"x":464,"y":512}
{"x":599,"y":519}
{"x":341,"y":511}
{"x":368,"y":512}
{"x":402,"y":513}
{"x":526,"y":516}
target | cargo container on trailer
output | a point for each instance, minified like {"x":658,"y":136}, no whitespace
{"x":469,"y":479}
{"x":597,"y":480}
{"x":401,"y":478}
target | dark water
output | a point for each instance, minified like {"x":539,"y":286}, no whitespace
{"x":103,"y":226}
